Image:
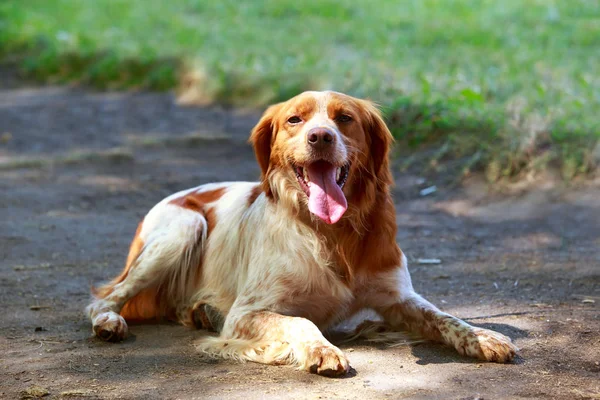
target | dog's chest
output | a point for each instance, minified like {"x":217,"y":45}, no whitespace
{"x":317,"y":294}
{"x":269,"y":261}
{"x":308,"y":281}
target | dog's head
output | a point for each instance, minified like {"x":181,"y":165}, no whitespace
{"x":323,"y":151}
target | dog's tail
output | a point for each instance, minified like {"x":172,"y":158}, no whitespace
{"x":247,"y":350}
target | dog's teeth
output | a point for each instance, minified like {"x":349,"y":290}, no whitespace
{"x":338,"y":172}
{"x":306,"y":179}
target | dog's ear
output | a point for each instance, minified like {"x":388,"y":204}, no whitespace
{"x":262,"y":137}
{"x":381,"y":140}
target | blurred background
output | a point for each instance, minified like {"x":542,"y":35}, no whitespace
{"x":507,"y":87}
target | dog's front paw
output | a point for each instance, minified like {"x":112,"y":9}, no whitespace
{"x":487,"y":345}
{"x":326,"y":360}
{"x":110,"y":326}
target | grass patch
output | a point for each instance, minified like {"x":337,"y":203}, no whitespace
{"x":502,"y":86}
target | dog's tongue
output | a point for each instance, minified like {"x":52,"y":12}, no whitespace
{"x":326,"y":200}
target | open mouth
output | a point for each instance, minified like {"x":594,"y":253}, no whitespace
{"x":323,"y":182}
{"x":341,"y":175}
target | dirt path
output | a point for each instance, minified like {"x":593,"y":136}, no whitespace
{"x":77,"y":171}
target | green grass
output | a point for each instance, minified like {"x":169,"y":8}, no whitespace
{"x":507,"y":86}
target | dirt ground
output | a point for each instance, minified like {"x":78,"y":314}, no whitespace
{"x":78,"y":170}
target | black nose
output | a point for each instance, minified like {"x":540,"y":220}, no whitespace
{"x":319,"y":138}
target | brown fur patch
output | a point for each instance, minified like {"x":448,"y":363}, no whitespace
{"x":211,"y":218}
{"x":146,"y":305}
{"x":372,"y":251}
{"x":256,"y":191}
{"x":135,"y":249}
{"x":261,"y":139}
{"x":197,"y":201}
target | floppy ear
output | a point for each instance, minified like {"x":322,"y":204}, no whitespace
{"x":381,"y":141}
{"x":261,"y":138}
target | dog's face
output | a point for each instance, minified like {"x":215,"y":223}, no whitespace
{"x":316,"y":149}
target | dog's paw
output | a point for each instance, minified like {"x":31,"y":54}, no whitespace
{"x":204,"y":316}
{"x":487,"y":345}
{"x":110,"y":326}
{"x":326,"y":360}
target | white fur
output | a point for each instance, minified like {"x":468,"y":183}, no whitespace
{"x":250,"y":247}
{"x":270,"y":275}
{"x":247,"y":255}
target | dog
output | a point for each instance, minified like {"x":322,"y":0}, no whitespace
{"x":283,"y":259}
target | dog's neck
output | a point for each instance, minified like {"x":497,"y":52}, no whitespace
{"x":363,"y":240}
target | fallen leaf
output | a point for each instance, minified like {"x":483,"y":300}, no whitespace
{"x":77,"y":393}
{"x":34,"y":392}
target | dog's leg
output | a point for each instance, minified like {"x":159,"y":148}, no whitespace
{"x":104,"y":312}
{"x":271,"y":338}
{"x":393,"y":297}
{"x":203,"y":316}
{"x":159,"y":275}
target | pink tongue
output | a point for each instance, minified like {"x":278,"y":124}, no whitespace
{"x":326,"y":199}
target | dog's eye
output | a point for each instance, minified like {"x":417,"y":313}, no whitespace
{"x":294,"y":120}
{"x":344,"y":118}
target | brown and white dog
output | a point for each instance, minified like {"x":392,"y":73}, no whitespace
{"x":281,"y":260}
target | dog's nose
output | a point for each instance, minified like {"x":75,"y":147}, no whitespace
{"x":320,"y":138}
